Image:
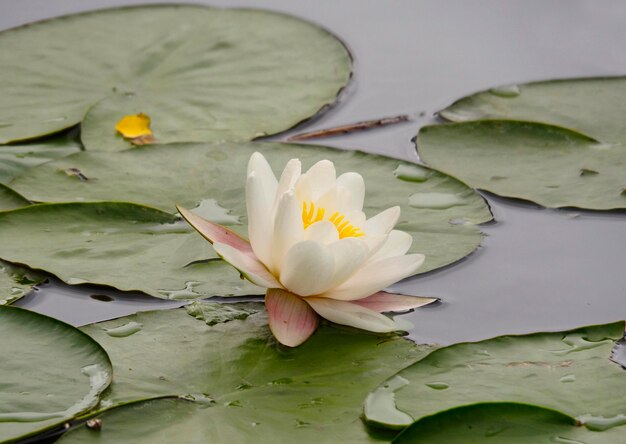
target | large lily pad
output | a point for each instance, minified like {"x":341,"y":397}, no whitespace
{"x":126,"y":246}
{"x":16,"y":282}
{"x":548,"y":165}
{"x":51,"y":372}
{"x":504,"y":423}
{"x":15,"y":159}
{"x":247,"y":388}
{"x":201,"y":74}
{"x":213,"y":176}
{"x":566,"y":371}
{"x":593,"y":106}
{"x":11,"y":199}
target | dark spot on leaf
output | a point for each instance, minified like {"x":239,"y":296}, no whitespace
{"x":587,"y":172}
{"x":76,"y":173}
{"x":94,"y":424}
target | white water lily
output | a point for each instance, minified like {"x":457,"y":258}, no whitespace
{"x":315,"y":251}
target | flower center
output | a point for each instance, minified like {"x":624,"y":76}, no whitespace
{"x":311,"y":214}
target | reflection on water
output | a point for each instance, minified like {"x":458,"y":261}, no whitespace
{"x":538,"y":270}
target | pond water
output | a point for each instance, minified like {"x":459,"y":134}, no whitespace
{"x":538,"y":269}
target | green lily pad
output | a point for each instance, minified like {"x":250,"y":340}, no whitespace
{"x":16,"y":282}
{"x":15,"y":159}
{"x":11,"y":199}
{"x":549,"y":165}
{"x":201,"y":74}
{"x":593,"y":106}
{"x":213,"y":177}
{"x":122,"y":245}
{"x":246,"y":386}
{"x":504,"y":423}
{"x":51,"y":372}
{"x":566,"y":371}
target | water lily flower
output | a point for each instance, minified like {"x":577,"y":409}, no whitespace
{"x":315,"y":251}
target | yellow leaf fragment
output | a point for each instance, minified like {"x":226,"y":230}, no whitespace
{"x":134,"y":126}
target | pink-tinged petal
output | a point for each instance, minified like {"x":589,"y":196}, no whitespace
{"x":214,"y":232}
{"x":375,"y":276}
{"x":383,"y":302}
{"x":397,"y":243}
{"x":288,"y":227}
{"x":291,"y":320}
{"x":307,"y":269}
{"x":354,"y":184}
{"x":248,"y":265}
{"x":353,"y":315}
{"x":383,"y":222}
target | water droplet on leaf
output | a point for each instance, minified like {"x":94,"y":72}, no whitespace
{"x":411,"y":173}
{"x":437,"y":385}
{"x":125,"y":330}
{"x":507,"y":91}
{"x":600,"y":423}
{"x":436,"y":201}
{"x":568,"y":378}
{"x":380,"y":405}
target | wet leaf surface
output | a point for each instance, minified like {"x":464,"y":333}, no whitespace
{"x":500,"y":423}
{"x":15,"y":159}
{"x":567,"y":371}
{"x":122,"y":245}
{"x":591,"y":106}
{"x":559,"y":143}
{"x":246,"y":387}
{"x":551,"y":166}
{"x":51,"y":372}
{"x":202,"y":74}
{"x":16,"y":281}
{"x":11,"y":199}
{"x":212,"y":178}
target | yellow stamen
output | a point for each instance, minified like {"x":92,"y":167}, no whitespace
{"x":310,"y":215}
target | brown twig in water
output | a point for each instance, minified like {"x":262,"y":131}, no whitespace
{"x":350,"y":128}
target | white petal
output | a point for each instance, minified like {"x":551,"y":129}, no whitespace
{"x":288,"y":178}
{"x":349,"y":255}
{"x":383,"y":222}
{"x":375,"y":242}
{"x":322,"y":231}
{"x":356,"y":218}
{"x":375,"y":276}
{"x":260,"y":222}
{"x":322,"y":177}
{"x":307,"y":268}
{"x":354,"y":315}
{"x":384,"y":302}
{"x":397,"y":243}
{"x":353,"y":199}
{"x":288,"y":228}
{"x":303,"y":189}
{"x":258,"y":163}
{"x":248,"y":266}
{"x":328,"y":201}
